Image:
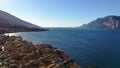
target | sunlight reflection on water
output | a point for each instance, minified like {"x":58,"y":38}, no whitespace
{"x":11,"y":34}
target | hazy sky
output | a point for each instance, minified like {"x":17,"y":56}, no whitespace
{"x":60,"y":13}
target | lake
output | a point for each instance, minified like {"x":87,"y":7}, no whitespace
{"x":85,"y":47}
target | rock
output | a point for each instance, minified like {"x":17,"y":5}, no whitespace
{"x":4,"y":67}
{"x":13,"y":66}
{"x":18,"y":53}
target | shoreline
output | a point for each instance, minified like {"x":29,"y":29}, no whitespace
{"x":16,"y":52}
{"x":15,"y":30}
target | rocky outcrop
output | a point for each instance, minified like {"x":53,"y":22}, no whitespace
{"x":108,"y":22}
{"x":18,"y":53}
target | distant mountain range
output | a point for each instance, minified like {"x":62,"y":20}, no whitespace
{"x":108,"y":22}
{"x":10,"y":23}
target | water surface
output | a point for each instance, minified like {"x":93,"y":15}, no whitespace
{"x":86,"y":47}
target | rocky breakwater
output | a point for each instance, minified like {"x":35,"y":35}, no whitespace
{"x":18,"y":53}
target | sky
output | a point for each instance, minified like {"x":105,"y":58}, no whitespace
{"x":60,"y":13}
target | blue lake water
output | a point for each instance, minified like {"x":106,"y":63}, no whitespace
{"x":85,"y":47}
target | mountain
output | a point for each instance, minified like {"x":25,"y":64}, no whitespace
{"x":108,"y":22}
{"x":6,"y":18}
{"x":10,"y":23}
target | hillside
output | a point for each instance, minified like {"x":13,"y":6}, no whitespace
{"x":108,"y":22}
{"x":18,"y":53}
{"x":10,"y":23}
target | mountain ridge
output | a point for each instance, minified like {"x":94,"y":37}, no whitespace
{"x":107,"y":22}
{"x":7,"y":18}
{"x":10,"y":23}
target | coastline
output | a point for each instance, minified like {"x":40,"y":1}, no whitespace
{"x":15,"y":30}
{"x":16,"y":52}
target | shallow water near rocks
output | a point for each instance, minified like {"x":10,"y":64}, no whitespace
{"x":85,"y":47}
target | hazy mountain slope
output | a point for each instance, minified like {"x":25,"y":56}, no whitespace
{"x":10,"y":24}
{"x":8,"y":20}
{"x":108,"y":22}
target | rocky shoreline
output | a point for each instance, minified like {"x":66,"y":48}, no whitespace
{"x":18,"y":53}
